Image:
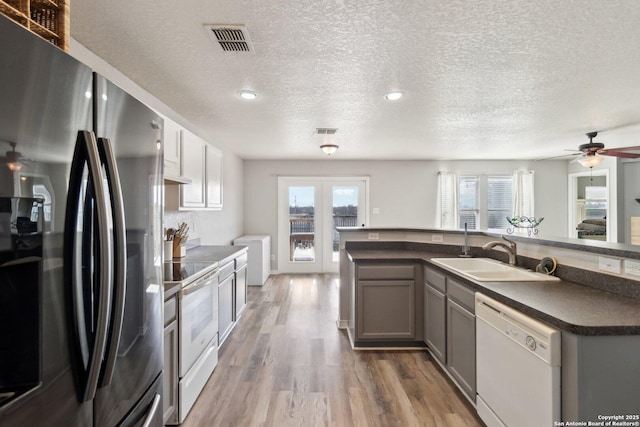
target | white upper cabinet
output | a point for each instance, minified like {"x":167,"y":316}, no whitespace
{"x":193,"y":165}
{"x":213,"y":173}
{"x":196,"y":166}
{"x":172,"y":152}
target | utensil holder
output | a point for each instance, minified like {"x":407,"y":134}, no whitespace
{"x":179,"y":251}
{"x":167,"y":250}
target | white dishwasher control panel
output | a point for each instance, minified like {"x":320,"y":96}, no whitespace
{"x":533,"y":335}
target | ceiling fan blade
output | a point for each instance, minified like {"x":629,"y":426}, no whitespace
{"x":626,"y":152}
{"x":557,"y":157}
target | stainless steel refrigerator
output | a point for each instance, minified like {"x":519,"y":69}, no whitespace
{"x":80,"y":243}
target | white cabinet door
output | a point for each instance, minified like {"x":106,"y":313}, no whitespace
{"x":171,"y":137}
{"x":214,"y":177}
{"x":193,"y":166}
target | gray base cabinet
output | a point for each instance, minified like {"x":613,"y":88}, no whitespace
{"x":386,"y":305}
{"x":386,"y":309}
{"x":240,"y":291}
{"x":461,"y":347}
{"x":435,"y":322}
{"x":225,"y":307}
{"x":450,"y":327}
{"x":170,"y":368}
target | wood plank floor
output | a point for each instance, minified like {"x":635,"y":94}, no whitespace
{"x":287,"y":364}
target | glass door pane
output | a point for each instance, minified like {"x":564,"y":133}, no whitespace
{"x":302,"y":224}
{"x":345,"y":214}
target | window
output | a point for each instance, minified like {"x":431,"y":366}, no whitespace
{"x":484,"y":201}
{"x":468,"y":202}
{"x":499,"y":201}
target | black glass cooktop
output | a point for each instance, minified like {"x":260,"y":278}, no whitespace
{"x":184,"y":271}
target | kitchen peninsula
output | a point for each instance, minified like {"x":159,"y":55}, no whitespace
{"x":597,"y":314}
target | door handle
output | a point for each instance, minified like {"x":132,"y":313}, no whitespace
{"x":155,"y":405}
{"x":86,"y":152}
{"x":120,"y":251}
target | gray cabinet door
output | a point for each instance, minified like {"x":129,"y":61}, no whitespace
{"x":435,"y":321}
{"x":461,"y":347}
{"x":385,"y":309}
{"x":170,"y":375}
{"x":225,"y":307}
{"x":241,"y":291}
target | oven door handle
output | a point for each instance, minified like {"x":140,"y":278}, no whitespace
{"x":197,"y":285}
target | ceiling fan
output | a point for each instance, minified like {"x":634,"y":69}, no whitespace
{"x":590,"y":154}
{"x":13,"y":159}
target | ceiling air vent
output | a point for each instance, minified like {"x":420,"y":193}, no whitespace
{"x":231,"y":38}
{"x":326,"y":131}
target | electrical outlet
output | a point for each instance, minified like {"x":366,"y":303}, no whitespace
{"x":438,"y":238}
{"x":610,"y":265}
{"x":273,"y":257}
{"x":374,"y":236}
{"x":376,"y":211}
{"x":632,"y":267}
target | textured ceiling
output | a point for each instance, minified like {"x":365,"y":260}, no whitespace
{"x":481,"y":80}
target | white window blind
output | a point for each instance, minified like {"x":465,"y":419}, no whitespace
{"x":448,"y":199}
{"x":499,"y":200}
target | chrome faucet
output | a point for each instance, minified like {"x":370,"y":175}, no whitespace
{"x":509,"y":247}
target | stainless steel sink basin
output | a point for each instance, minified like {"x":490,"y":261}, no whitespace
{"x":490,"y":270}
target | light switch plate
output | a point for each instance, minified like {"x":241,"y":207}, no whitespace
{"x":376,"y":211}
{"x":437,"y":238}
{"x":610,"y":265}
{"x":632,"y":267}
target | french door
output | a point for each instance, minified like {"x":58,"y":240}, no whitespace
{"x":309,"y":210}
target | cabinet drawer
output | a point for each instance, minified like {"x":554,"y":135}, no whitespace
{"x":461,"y":294}
{"x":169,"y":311}
{"x":225,"y":271}
{"x":241,"y":260}
{"x":435,"y":279}
{"x":383,"y":272}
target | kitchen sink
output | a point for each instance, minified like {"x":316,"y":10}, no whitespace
{"x":490,"y":270}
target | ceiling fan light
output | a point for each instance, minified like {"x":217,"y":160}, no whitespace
{"x":329,"y":149}
{"x":590,"y":161}
{"x":14,"y":166}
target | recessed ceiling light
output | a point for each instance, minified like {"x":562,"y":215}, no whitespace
{"x":393,"y":96}
{"x":247,"y":94}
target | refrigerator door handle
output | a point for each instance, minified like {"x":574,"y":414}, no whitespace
{"x":155,"y":406}
{"x":86,"y":152}
{"x":120,"y":251}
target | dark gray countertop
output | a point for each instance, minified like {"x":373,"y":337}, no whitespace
{"x":566,"y":305}
{"x":211,"y":254}
{"x":219,"y":254}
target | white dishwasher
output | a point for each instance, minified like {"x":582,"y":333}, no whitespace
{"x":518,"y":367}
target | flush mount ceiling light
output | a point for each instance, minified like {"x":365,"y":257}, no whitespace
{"x":329,"y":149}
{"x":393,"y":96}
{"x":249,"y":95}
{"x":328,"y":135}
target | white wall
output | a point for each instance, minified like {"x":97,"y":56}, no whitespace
{"x":403,"y":191}
{"x":631,"y":173}
{"x":212,"y":227}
